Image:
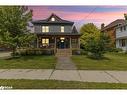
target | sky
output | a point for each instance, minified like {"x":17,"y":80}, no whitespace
{"x":81,"y":14}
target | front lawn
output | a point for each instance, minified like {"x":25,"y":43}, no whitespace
{"x":55,"y":84}
{"x":29,"y":62}
{"x":112,"y":61}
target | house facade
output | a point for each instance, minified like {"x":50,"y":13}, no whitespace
{"x":110,"y":30}
{"x":121,"y":37}
{"x":56,"y":33}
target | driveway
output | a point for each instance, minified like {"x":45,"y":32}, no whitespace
{"x":66,"y":75}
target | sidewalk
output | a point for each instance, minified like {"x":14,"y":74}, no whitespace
{"x":66,"y":75}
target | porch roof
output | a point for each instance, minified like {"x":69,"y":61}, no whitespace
{"x":58,"y":34}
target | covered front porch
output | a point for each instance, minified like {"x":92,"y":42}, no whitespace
{"x":58,"y":42}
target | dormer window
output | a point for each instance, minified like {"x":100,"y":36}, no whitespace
{"x":52,"y":19}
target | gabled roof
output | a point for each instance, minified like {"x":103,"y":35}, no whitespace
{"x":114,"y":24}
{"x":74,"y":30}
{"x":48,"y":20}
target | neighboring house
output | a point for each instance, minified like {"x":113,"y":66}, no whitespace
{"x":121,"y":37}
{"x":110,"y":29}
{"x":56,"y":33}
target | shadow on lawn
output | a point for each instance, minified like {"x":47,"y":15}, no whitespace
{"x":102,"y":58}
{"x":20,"y":57}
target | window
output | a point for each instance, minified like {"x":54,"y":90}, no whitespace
{"x":45,"y":28}
{"x":52,"y":19}
{"x":124,"y":28}
{"x":74,"y":42}
{"x":62,"y":28}
{"x":123,"y":42}
{"x":121,"y":29}
{"x":119,"y":24}
{"x":45,"y":42}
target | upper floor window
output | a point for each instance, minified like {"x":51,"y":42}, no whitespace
{"x":62,"y":28}
{"x":52,"y":19}
{"x":45,"y":28}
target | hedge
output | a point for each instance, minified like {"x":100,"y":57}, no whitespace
{"x":34,"y":51}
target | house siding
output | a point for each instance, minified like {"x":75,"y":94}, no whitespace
{"x":121,"y":35}
{"x":53,"y":28}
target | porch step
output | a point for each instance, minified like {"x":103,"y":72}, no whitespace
{"x":63,"y":52}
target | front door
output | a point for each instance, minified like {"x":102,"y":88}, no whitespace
{"x":62,"y":45}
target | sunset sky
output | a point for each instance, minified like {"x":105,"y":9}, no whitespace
{"x":81,"y":14}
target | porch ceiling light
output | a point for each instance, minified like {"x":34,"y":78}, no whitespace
{"x":62,"y":38}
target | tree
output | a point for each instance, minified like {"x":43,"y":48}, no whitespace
{"x":13,"y":26}
{"x":94,"y":42}
{"x":125,"y":16}
{"x":88,"y":31}
{"x":97,"y":47}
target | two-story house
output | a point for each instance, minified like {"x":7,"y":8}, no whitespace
{"x":121,"y":37}
{"x":56,"y":33}
{"x":110,"y":29}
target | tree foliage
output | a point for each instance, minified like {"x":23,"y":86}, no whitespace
{"x":94,"y":42}
{"x":97,"y":47}
{"x":88,"y":31}
{"x":125,"y":16}
{"x":13,"y":26}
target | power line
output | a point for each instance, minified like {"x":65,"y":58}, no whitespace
{"x":92,"y":11}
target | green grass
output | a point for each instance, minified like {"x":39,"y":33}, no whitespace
{"x":29,"y":62}
{"x":54,"y":84}
{"x":112,"y":61}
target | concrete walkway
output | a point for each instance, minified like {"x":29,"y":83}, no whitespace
{"x":65,"y":63}
{"x":66,"y":75}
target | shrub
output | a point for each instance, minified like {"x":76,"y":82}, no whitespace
{"x":96,"y":47}
{"x":79,"y":52}
{"x":115,"y":50}
{"x":35,"y":51}
{"x":76,"y":51}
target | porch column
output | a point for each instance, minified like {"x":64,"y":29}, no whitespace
{"x":79,"y":43}
{"x":126,"y":44}
{"x":37,"y":43}
{"x":55,"y":46}
{"x":70,"y":43}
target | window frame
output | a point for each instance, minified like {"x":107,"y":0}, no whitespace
{"x":45,"y":41}
{"x":45,"y":29}
{"x":123,"y":42}
{"x":124,"y":28}
{"x":121,"y":29}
